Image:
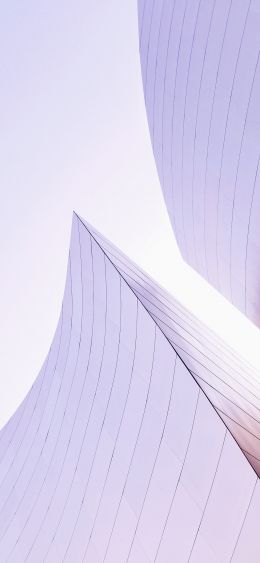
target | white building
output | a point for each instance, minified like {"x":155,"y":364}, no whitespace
{"x":117,"y":454}
{"x":201,"y":76}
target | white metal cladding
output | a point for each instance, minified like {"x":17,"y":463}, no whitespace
{"x":201,"y":77}
{"x":116,"y":454}
{"x":229,"y":382}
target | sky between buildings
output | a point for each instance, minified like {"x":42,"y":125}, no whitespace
{"x":74,"y":135}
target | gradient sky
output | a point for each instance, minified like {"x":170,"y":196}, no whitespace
{"x":74,"y":136}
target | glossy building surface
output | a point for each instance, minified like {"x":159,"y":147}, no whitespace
{"x":201,"y":77}
{"x":230,"y":383}
{"x":117,"y":454}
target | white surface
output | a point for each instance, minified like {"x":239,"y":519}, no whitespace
{"x":75,"y":490}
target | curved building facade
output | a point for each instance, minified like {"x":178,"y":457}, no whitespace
{"x":231,"y":384}
{"x":201,"y":77}
{"x":117,"y":454}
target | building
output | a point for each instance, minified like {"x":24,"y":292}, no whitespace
{"x":117,"y":454}
{"x":201,"y":78}
{"x":230,"y":383}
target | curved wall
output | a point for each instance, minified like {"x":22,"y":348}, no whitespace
{"x":229,"y":382}
{"x":116,"y":454}
{"x":201,"y":77}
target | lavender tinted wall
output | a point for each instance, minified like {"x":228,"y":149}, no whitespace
{"x":230,"y":383}
{"x":116,"y":454}
{"x":201,"y":77}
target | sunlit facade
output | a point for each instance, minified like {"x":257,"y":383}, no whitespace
{"x":201,"y":78}
{"x":117,"y":454}
{"x":139,"y":441}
